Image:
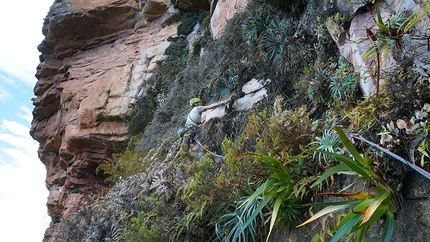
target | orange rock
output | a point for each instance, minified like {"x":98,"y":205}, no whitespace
{"x":94,"y":65}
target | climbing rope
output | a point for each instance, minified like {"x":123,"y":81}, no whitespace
{"x":210,"y":152}
{"x":413,"y":166}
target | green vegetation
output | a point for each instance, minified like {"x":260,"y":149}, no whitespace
{"x":329,"y":141}
{"x":324,"y":84}
{"x":389,"y":35}
{"x":231,"y":226}
{"x":284,"y":188}
{"x":277,"y":156}
{"x":366,"y":206}
{"x":125,"y":164}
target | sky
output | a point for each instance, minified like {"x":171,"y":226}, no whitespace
{"x":23,"y":194}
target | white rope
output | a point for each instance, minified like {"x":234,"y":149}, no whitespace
{"x":210,"y":152}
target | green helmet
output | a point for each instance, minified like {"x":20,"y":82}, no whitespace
{"x":194,"y":100}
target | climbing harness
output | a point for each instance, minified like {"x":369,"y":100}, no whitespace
{"x":191,"y":131}
{"x":413,"y":166}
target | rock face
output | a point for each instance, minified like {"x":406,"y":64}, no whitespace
{"x":222,"y":12}
{"x":353,"y":40}
{"x":98,"y":56}
{"x":93,"y":66}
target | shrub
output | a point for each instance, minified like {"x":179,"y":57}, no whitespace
{"x":127,"y":163}
{"x":188,"y":21}
{"x":366,"y":207}
{"x":282,"y":177}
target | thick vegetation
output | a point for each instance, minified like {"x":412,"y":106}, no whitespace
{"x":282,"y":159}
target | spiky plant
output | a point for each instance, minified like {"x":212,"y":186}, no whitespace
{"x":317,"y":85}
{"x":330,"y":142}
{"x":366,"y":207}
{"x":255,"y":24}
{"x":280,"y":194}
{"x":272,"y":45}
{"x":232,"y":76}
{"x":207,"y":96}
{"x":340,"y":88}
{"x":222,"y":90}
{"x":230,"y":227}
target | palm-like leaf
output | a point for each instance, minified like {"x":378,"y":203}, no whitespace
{"x":231,"y":225}
{"x":277,"y":190}
{"x":365,"y":207}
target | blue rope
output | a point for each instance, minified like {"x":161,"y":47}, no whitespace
{"x":413,"y":166}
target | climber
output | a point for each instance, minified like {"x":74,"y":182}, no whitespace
{"x":194,"y":118}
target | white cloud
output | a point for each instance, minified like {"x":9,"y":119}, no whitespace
{"x":26,"y":114}
{"x":4,"y":94}
{"x":6,"y":79}
{"x":20,"y":37}
{"x":23,"y":199}
{"x":14,"y":127}
{"x":23,"y":194}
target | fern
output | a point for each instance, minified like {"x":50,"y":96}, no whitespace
{"x":127,"y":163}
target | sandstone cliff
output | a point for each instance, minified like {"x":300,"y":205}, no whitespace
{"x":94,"y":65}
{"x":96,"y":59}
{"x":99,"y":57}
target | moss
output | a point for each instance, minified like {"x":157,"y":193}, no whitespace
{"x":175,"y":62}
{"x":143,"y":112}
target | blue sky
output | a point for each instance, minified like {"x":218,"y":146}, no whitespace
{"x":23,"y":195}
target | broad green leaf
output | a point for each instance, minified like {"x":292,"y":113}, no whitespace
{"x":275,"y":211}
{"x":346,"y":227}
{"x":352,"y":195}
{"x":362,"y":206}
{"x":353,"y":165}
{"x":389,"y":227}
{"x":380,"y":22}
{"x":325,"y":211}
{"x":370,"y":52}
{"x":345,"y":219}
{"x":375,"y":204}
{"x":376,"y":215}
{"x":360,"y":234}
{"x":281,"y":188}
{"x":351,"y":202}
{"x":345,"y":141}
{"x":329,"y":173}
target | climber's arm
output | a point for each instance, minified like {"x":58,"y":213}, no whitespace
{"x":214,"y":105}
